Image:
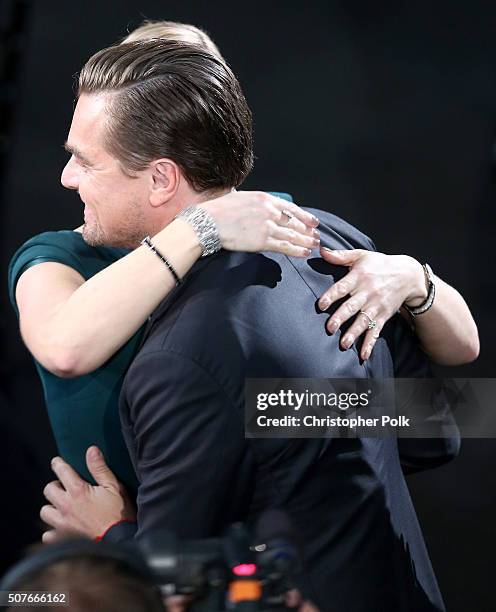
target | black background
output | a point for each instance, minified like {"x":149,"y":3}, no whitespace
{"x":381,"y":112}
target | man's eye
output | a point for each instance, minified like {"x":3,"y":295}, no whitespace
{"x":82,"y":164}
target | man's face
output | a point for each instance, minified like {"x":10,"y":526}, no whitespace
{"x":114,"y":204}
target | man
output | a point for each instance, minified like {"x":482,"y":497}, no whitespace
{"x":158,"y":127}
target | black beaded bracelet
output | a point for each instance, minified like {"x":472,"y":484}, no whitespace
{"x":147,"y":240}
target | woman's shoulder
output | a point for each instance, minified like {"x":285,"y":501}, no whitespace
{"x":71,"y":240}
{"x":66,"y":247}
{"x":55,"y":241}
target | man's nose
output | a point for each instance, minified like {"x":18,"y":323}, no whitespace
{"x":70,"y":175}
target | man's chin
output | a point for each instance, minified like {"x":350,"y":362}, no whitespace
{"x":95,"y":237}
{"x":91,"y":237}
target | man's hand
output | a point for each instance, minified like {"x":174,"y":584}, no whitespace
{"x":377,"y":284}
{"x":76,"y":507}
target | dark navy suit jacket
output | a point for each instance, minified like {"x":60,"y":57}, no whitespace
{"x":241,"y":315}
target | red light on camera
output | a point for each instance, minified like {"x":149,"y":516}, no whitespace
{"x":244,"y":569}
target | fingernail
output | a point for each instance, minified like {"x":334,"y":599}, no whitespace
{"x":333,"y":327}
{"x":347,"y":341}
{"x":315,"y":220}
{"x":94,"y":453}
{"x":315,"y":242}
{"x":368,"y":350}
{"x":316,"y":233}
{"x":324,"y":303}
{"x":326,"y":249}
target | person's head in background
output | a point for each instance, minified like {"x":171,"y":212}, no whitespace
{"x":173,"y":30}
{"x":91,"y":579}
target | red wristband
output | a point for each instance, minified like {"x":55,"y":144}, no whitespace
{"x":100,"y":537}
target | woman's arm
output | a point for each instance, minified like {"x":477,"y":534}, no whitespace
{"x":447,"y":332}
{"x":72,"y":326}
{"x":379,"y":284}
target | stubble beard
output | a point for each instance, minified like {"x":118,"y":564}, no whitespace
{"x":127,"y":235}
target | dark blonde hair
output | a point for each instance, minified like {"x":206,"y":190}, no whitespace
{"x":175,"y":100}
{"x":173,"y":30}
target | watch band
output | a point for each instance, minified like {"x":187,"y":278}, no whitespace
{"x":205,"y":228}
{"x":431,"y":294}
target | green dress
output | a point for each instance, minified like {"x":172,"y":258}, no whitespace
{"x":84,"y":410}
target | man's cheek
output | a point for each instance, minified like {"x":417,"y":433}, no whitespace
{"x":89,"y":215}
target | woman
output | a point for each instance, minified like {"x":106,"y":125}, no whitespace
{"x":82,"y":308}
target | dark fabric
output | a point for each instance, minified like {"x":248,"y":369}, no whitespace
{"x":420,"y":454}
{"x":83,"y":410}
{"x":244,"y":315}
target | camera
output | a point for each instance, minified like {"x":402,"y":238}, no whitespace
{"x":243,"y":570}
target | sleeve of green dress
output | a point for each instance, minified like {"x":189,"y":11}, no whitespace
{"x":61,"y":247}
{"x":66,"y":247}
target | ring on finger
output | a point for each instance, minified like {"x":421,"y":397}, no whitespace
{"x":287,"y":214}
{"x":372,"y":322}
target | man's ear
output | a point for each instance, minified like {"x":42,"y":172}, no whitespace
{"x":165,"y":178}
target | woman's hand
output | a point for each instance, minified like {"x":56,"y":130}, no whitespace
{"x":377,"y":284}
{"x":257,"y":221}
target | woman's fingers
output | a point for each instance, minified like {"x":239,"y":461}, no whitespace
{"x":251,"y":221}
{"x":295,"y":224}
{"x":293,"y":209}
{"x":385,"y":280}
{"x":351,"y":307}
{"x":284,"y":217}
{"x":371,"y":337}
{"x":292,"y":237}
{"x":356,"y":306}
{"x":295,"y":237}
{"x":287,"y":248}
{"x":346,"y":286}
{"x":340,"y":257}
{"x":360,"y":325}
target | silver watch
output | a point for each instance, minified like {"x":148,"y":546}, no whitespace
{"x":431,"y":293}
{"x":205,"y":228}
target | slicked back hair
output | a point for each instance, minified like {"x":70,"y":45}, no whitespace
{"x":174,"y":100}
{"x":173,"y":30}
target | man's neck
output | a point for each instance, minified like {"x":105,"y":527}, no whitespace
{"x":205,"y":196}
{"x":189,"y":198}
